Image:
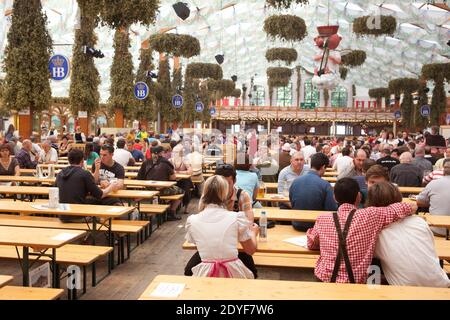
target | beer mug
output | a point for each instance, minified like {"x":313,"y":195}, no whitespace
{"x":51,"y":171}
{"x":53,"y":198}
{"x":39,"y":171}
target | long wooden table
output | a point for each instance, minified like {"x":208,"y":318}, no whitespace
{"x":203,"y":288}
{"x":275,"y":243}
{"x":22,"y":293}
{"x":41,"y":240}
{"x":404,"y":190}
{"x":268,"y":197}
{"x":4,"y":280}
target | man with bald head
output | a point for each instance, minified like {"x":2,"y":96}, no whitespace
{"x":406,"y":174}
{"x":24,"y":158}
{"x":48,"y":155}
{"x":356,"y":169}
{"x":296,"y":169}
{"x":420,"y":161}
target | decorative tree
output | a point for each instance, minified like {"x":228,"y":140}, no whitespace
{"x":406,"y":86}
{"x":120,"y":15}
{"x":26,"y":62}
{"x":379,"y":94}
{"x":145,"y":110}
{"x":164,"y":91}
{"x":177,"y":86}
{"x":437,"y":72}
{"x":122,"y":79}
{"x":84,"y":79}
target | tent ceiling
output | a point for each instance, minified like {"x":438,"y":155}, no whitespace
{"x":235,"y":28}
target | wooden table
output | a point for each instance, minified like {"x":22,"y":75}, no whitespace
{"x":41,"y":240}
{"x":410,"y":190}
{"x":21,"y":293}
{"x":148,"y":183}
{"x":439,"y":221}
{"x":4,"y":280}
{"x":203,"y":288}
{"x":277,"y":214}
{"x":330,"y":174}
{"x":133,"y":175}
{"x":27,"y":179}
{"x":268,"y":197}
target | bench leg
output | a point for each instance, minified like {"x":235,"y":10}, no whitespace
{"x":129,"y":245}
{"x":84,"y":279}
{"x":122,"y":249}
{"x":94,"y":274}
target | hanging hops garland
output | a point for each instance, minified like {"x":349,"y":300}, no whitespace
{"x":124,"y":13}
{"x":378,"y":93}
{"x":435,"y":70}
{"x":178,"y":45}
{"x":354,"y":58}
{"x":285,"y":4}
{"x":236,"y":93}
{"x":343,"y":71}
{"x":225,"y":87}
{"x":287,"y":55}
{"x":285,"y":27}
{"x":403,"y":85}
{"x":279,"y":73}
{"x":367,"y":25}
{"x":204,"y":71}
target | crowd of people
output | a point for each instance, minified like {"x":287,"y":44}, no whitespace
{"x":370,"y":219}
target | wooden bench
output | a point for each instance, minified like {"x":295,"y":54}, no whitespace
{"x":154,"y":209}
{"x":28,"y":293}
{"x":285,"y":260}
{"x":172,"y":197}
{"x":70,"y":254}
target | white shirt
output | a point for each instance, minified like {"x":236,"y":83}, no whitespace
{"x":308,"y":151}
{"x":50,"y":156}
{"x":343,"y":164}
{"x":195,"y":160}
{"x":122,"y":156}
{"x":36,"y":150}
{"x":407,"y":254}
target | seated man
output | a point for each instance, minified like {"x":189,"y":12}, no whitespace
{"x":160,"y":169}
{"x":287,"y":176}
{"x":136,"y":153}
{"x":311,"y":192}
{"x":107,"y":171}
{"x":122,"y":156}
{"x":77,"y":185}
{"x":356,"y":243}
{"x":406,"y":174}
{"x":24,"y":156}
{"x":48,"y":155}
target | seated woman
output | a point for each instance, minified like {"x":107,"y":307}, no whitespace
{"x":64,"y":146}
{"x":215,"y":231}
{"x":406,"y":247}
{"x":89,"y":154}
{"x":245,"y":179}
{"x":182,"y":166}
{"x":9,"y":166}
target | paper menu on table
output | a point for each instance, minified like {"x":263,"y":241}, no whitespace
{"x":168,"y":290}
{"x":298,"y":241}
{"x":64,"y":236}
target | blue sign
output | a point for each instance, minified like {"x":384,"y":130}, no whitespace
{"x":199,"y":106}
{"x":397,"y":114}
{"x":141,"y":90}
{"x":177,"y":101}
{"x":425,"y":110}
{"x":212,"y":111}
{"x":59,"y":67}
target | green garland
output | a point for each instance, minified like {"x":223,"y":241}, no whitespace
{"x":287,"y":55}
{"x":27,"y":81}
{"x":61,"y":100}
{"x":438,"y":72}
{"x":236,"y":93}
{"x":145,"y":109}
{"x":406,"y":86}
{"x":178,"y":45}
{"x":123,"y":13}
{"x":279,"y":73}
{"x":285,"y":27}
{"x":379,"y":94}
{"x":344,"y":72}
{"x":204,"y":71}
{"x":177,"y":85}
{"x":354,"y":59}
{"x":285,"y":4}
{"x":388,"y":25}
{"x":84,"y":78}
{"x":121,"y":74}
{"x":223,"y":87}
{"x":164,"y":91}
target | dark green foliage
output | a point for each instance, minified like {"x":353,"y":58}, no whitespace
{"x":123,"y":13}
{"x":178,"y":45}
{"x":27,"y":82}
{"x":146,"y":109}
{"x":285,"y":27}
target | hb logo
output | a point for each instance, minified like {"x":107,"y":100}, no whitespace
{"x":73,"y":277}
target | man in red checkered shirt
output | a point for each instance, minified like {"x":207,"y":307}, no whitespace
{"x":358,"y":237}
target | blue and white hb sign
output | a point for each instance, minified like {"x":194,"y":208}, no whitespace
{"x":397,"y":114}
{"x":59,"y":67}
{"x":141,"y":90}
{"x":199,"y":106}
{"x":425,"y":110}
{"x":212,"y":111}
{"x":177,"y":101}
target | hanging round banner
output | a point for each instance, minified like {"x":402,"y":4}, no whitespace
{"x":59,"y":67}
{"x":141,"y":90}
{"x":177,"y":101}
{"x":397,"y":114}
{"x":425,"y":110}
{"x":212,"y":111}
{"x":199,"y":106}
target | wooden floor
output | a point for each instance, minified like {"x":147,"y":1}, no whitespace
{"x":160,"y":254}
